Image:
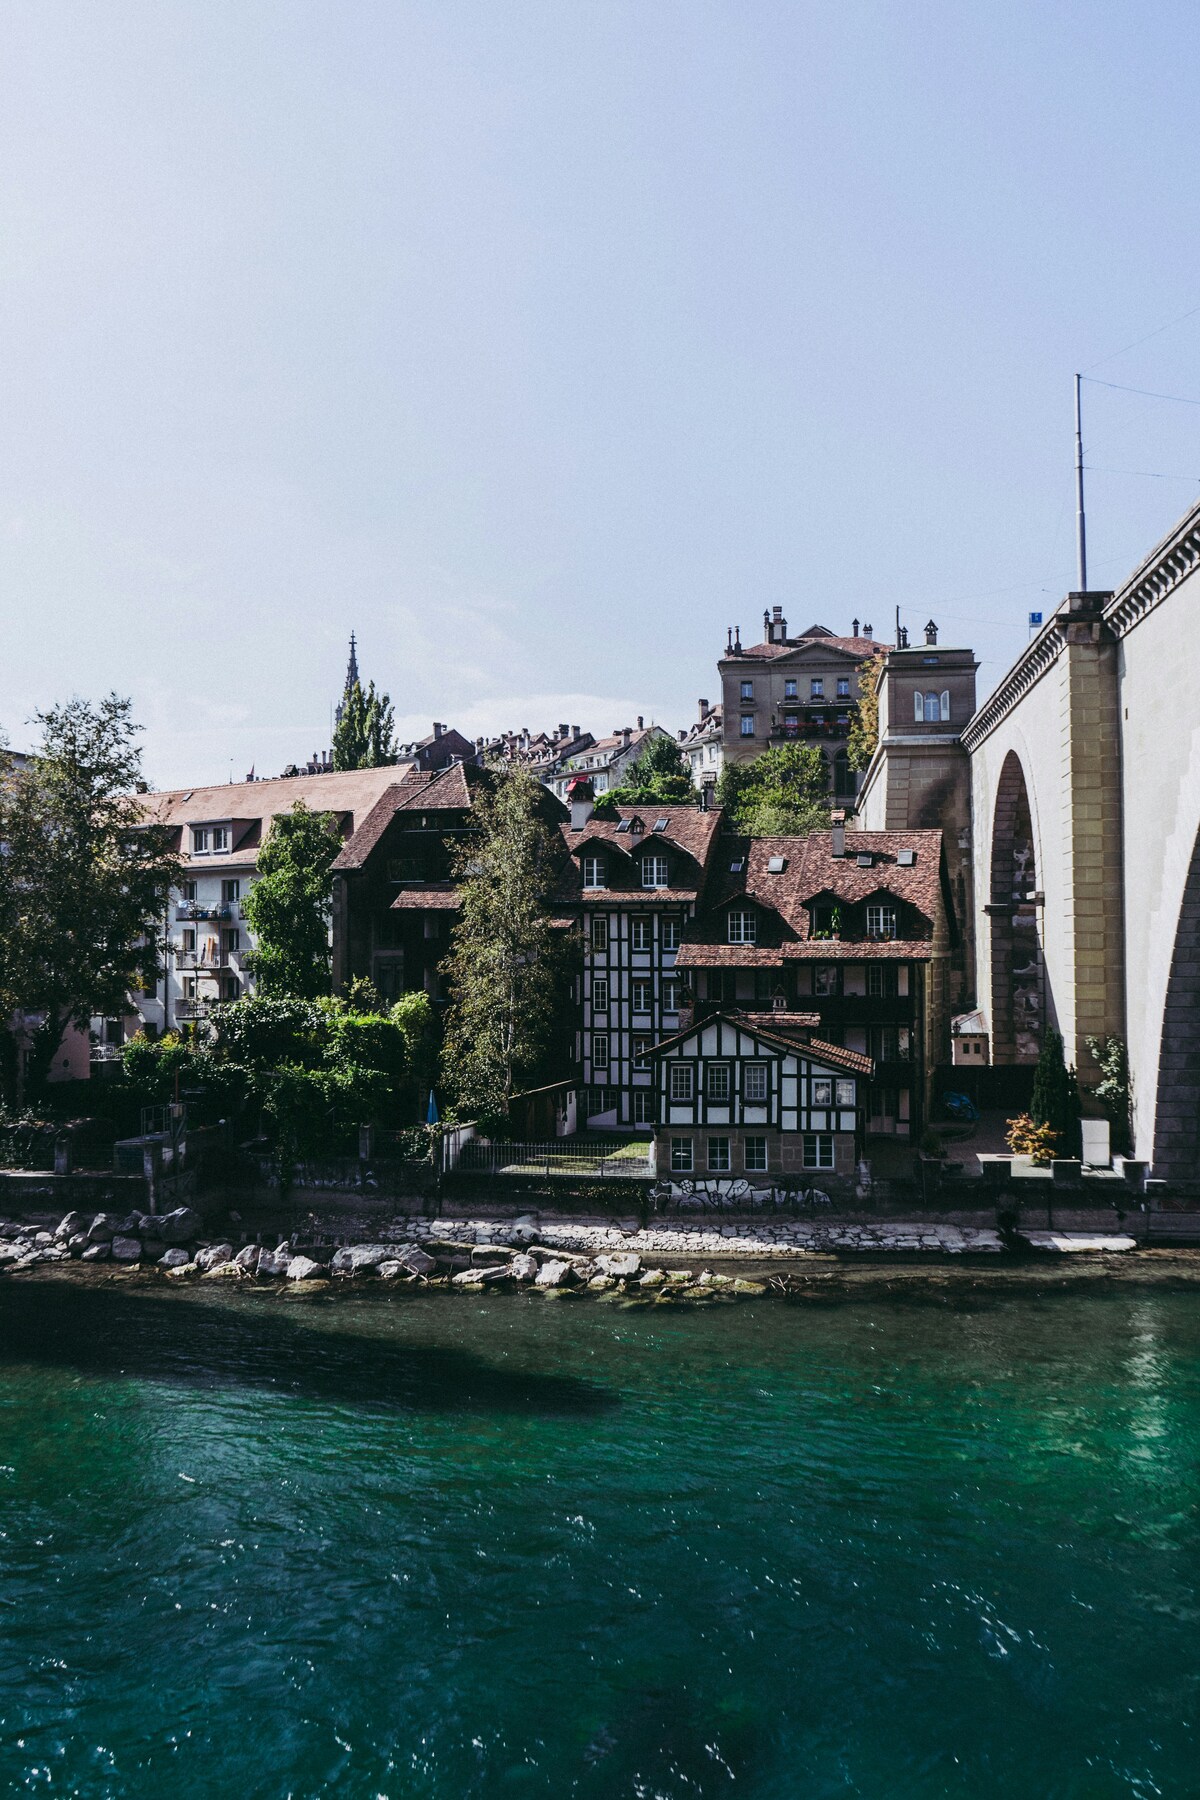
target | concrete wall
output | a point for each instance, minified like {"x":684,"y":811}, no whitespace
{"x":1159,"y":725}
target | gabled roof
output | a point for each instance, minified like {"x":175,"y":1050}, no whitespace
{"x":688,"y":832}
{"x":350,"y":795}
{"x":812,"y":870}
{"x":856,"y":649}
{"x":832,"y":1056}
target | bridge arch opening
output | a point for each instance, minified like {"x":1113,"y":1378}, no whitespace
{"x":1177,"y":1102}
{"x":1018,"y":968}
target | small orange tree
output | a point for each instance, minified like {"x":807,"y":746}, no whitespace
{"x":1025,"y":1138}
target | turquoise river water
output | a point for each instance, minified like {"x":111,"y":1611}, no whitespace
{"x":508,"y":1546}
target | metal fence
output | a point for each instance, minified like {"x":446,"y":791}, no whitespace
{"x":619,"y":1160}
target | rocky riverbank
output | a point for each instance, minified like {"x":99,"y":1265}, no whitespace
{"x":670,"y":1262}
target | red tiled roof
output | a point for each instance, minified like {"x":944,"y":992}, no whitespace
{"x":442,"y":897}
{"x":688,"y":831}
{"x":355,"y":853}
{"x":858,"y":647}
{"x":810,"y":871}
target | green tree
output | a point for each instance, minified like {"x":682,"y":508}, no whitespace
{"x":864,"y":726}
{"x":1114,"y":1090}
{"x":303,"y":1070}
{"x":1055,"y":1099}
{"x":365,"y":736}
{"x":659,"y":777}
{"x":289,"y":905}
{"x":86,"y":874}
{"x":782,"y":793}
{"x":508,"y":963}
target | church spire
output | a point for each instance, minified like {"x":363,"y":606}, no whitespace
{"x":351,"y":680}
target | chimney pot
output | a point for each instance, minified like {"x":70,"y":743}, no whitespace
{"x":438,"y":729}
{"x":640,"y":725}
{"x":868,"y":631}
{"x":931,"y":632}
{"x":854,"y":628}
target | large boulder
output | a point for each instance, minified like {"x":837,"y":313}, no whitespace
{"x":523,"y":1268}
{"x":303,"y":1268}
{"x":484,"y":1255}
{"x":181,"y":1226}
{"x":361,"y":1259}
{"x":623,"y":1265}
{"x":555,"y":1274}
{"x":274,"y":1262}
{"x":212,"y":1254}
{"x":415,"y":1260}
{"x":476,"y":1277}
{"x":173,"y":1259}
{"x":247,"y":1259}
{"x":127,"y":1249}
{"x":104,"y":1228}
{"x":71,"y":1225}
{"x":523,"y":1231}
{"x":99,"y":1252}
{"x":226,"y":1271}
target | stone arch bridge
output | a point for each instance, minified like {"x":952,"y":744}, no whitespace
{"x":1085,"y":808}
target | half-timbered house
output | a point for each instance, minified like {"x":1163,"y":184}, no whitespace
{"x":633,"y":879}
{"x":757,"y":1096}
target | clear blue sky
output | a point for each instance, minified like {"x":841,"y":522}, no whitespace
{"x":539,"y":342}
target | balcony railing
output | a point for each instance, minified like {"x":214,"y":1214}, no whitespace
{"x":195,"y":912}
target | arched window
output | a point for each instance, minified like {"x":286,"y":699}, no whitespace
{"x":931,"y":709}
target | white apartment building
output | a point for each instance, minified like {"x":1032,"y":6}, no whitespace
{"x":607,"y":761}
{"x":703,"y":746}
{"x":219,"y":832}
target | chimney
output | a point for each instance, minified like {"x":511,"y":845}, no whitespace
{"x":766,"y":625}
{"x":854,"y":628}
{"x":438,"y":729}
{"x":641,"y":723}
{"x":626,"y":734}
{"x":737,"y":640}
{"x":574,"y":731}
{"x":868,"y":631}
{"x":581,"y":799}
{"x":703,"y":704}
{"x":931,"y":633}
{"x":837,"y":834}
{"x":778,"y":633}
{"x":564,"y":731}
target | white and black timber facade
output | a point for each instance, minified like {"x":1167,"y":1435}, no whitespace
{"x":633,"y":880}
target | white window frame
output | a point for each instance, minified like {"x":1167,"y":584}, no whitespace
{"x":816,"y":687}
{"x":643,"y":1106}
{"x":881,"y":920}
{"x":742,"y":926}
{"x":599,"y":993}
{"x":670,"y":933}
{"x":720,"y":1162}
{"x":681,"y":1085}
{"x":683,"y":1156}
{"x":656,"y":872}
{"x":643,"y":1043}
{"x":846,"y":1093}
{"x":600,"y":1050}
{"x":843,"y":687}
{"x":747,"y":690}
{"x":751,"y":1074}
{"x":220,"y":839}
{"x":201,"y":840}
{"x":718,"y":1083}
{"x":747,"y":725}
{"x":594,"y":873}
{"x":599,"y":932}
{"x":641,"y":934}
{"x":641,"y":994}
{"x":790,"y":691}
{"x":822,"y":1092}
{"x":669,"y":995}
{"x":818,"y":1150}
{"x":755,"y":1167}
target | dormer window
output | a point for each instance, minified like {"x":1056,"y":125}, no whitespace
{"x":655,"y":873}
{"x":201,"y":840}
{"x":595,"y":875}
{"x":743,"y":926}
{"x":881,"y":921}
{"x":220,"y":837}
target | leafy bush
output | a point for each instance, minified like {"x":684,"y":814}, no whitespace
{"x":1026,"y":1137}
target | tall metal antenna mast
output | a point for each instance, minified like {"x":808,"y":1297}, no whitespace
{"x":1080,"y":523}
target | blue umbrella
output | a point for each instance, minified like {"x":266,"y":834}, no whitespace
{"x":431,"y":1115}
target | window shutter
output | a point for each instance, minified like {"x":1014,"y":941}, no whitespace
{"x":919,"y":707}
{"x":946,"y":703}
